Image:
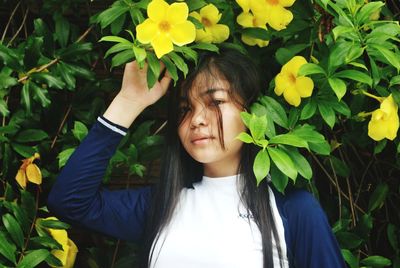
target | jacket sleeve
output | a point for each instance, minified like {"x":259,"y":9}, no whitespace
{"x":77,"y":196}
{"x":308,"y":233}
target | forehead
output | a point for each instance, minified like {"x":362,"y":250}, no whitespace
{"x":207,"y":84}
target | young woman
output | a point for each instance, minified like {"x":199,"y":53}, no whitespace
{"x":207,"y":210}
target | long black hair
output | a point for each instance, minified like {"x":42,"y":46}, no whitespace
{"x":179,"y":170}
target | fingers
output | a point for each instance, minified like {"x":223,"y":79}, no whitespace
{"x":165,"y":81}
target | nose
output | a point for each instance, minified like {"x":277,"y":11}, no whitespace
{"x":200,"y":117}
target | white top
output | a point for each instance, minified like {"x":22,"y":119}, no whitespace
{"x":211,"y":228}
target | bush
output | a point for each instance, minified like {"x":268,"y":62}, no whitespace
{"x":328,"y":119}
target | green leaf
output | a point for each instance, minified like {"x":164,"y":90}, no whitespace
{"x":122,"y":58}
{"x":62,"y":29}
{"x":120,"y":47}
{"x":283,"y":162}
{"x":348,"y":240}
{"x":376,"y":76}
{"x":3,"y":108}
{"x":376,"y":261}
{"x":258,"y":126}
{"x":289,"y":139}
{"x":76,"y":49}
{"x":390,"y":56}
{"x":245,"y":137}
{"x":310,"y":68}
{"x":279,"y":180}
{"x":179,"y":62}
{"x":395,"y":80}
{"x":367,"y":10}
{"x":258,"y":33}
{"x":378,"y":197}
{"x":33,"y":258}
{"x":66,"y":73}
{"x":392,"y":236}
{"x":140,"y":53}
{"x":10,"y":58}
{"x":14,"y":229}
{"x":246,"y":117}
{"x":28,"y":204}
{"x":53,"y":224}
{"x":327,"y":114}
{"x":64,"y":156}
{"x":25,"y":151}
{"x":355,"y":75}
{"x":30,"y":135}
{"x":41,"y":94}
{"x":171,"y":68}
{"x":300,"y":162}
{"x":338,"y":86}
{"x":344,"y":31}
{"x":275,"y":110}
{"x":188,"y":53}
{"x":154,"y":69}
{"x":284,"y":54}
{"x":49,"y":79}
{"x":25,"y":97}
{"x":19,"y":214}
{"x":7,"y":249}
{"x":80,"y":130}
{"x":351,"y":260}
{"x":109,"y":15}
{"x":261,"y":165}
{"x":7,"y":81}
{"x":205,"y":46}
{"x":117,"y":39}
{"x":308,"y":110}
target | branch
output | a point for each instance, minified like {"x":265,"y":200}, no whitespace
{"x":19,"y":29}
{"x":9,"y":22}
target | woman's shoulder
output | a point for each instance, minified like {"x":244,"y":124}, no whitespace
{"x":297,"y":202}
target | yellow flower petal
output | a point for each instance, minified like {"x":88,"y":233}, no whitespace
{"x":292,"y":96}
{"x":146,"y":31}
{"x":183,"y":33}
{"x":60,"y":235}
{"x":249,"y":40}
{"x":195,"y":15}
{"x":279,"y":18}
{"x":220,"y":33}
{"x":244,"y":4}
{"x":281,"y":83}
{"x":203,"y":36}
{"x":292,"y":67}
{"x":162,"y":45}
{"x":61,"y":254}
{"x":388,"y":105}
{"x":157,"y":10}
{"x":245,"y":19}
{"x":21,"y":178}
{"x":177,"y":13}
{"x":375,"y":129}
{"x":286,"y":3}
{"x":305,"y":86}
{"x":210,"y":14}
{"x":71,"y":256}
{"x":33,"y":174}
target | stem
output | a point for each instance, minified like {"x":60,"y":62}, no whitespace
{"x":9,"y":21}
{"x":333,"y":181}
{"x":338,"y":188}
{"x":19,"y":29}
{"x":61,"y":126}
{"x":41,"y":68}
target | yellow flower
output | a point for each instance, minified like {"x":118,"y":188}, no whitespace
{"x":248,"y":20}
{"x":384,"y":121}
{"x":213,"y":32}
{"x":273,"y":11}
{"x":29,"y":171}
{"x":69,"y":250}
{"x":292,"y":86}
{"x":166,"y":25}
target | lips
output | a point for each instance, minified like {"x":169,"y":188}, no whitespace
{"x":200,"y":139}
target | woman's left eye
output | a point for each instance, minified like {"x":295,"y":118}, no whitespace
{"x":217,"y":102}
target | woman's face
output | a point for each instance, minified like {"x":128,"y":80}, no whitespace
{"x":198,"y":130}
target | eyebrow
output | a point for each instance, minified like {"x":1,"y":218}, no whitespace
{"x":211,"y":91}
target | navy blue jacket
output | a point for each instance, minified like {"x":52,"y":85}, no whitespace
{"x":77,"y":197}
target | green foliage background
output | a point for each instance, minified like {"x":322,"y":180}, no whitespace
{"x":55,"y":81}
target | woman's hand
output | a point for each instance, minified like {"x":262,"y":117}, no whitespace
{"x":134,"y":85}
{"x":135,"y":95}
